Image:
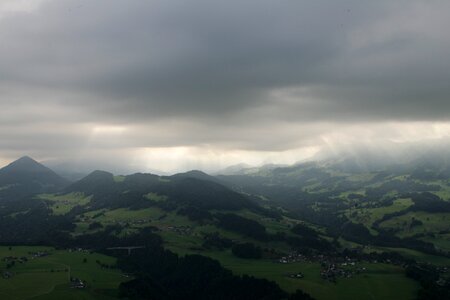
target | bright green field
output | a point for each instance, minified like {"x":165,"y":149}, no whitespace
{"x":48,"y":277}
{"x":62,"y":204}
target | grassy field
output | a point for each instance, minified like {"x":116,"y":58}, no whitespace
{"x":440,"y":241}
{"x":48,"y":277}
{"x":134,"y":218}
{"x":379,"y":281}
{"x":367,"y":216}
{"x":431,"y":223}
{"x":62,"y":204}
{"x":416,"y":255}
{"x":124,"y":215}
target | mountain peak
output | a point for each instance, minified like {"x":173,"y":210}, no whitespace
{"x":196,"y":174}
{"x":30,"y":177}
{"x":95,"y":181}
{"x":25,"y":164}
{"x":26,"y":159}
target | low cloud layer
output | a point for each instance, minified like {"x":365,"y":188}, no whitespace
{"x":216,"y":82}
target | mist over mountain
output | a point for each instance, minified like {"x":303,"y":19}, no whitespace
{"x":376,"y":157}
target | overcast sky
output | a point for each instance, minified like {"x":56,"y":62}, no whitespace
{"x":175,"y":85}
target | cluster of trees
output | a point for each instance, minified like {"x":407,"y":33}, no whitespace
{"x":360,"y":234}
{"x":215,"y":241}
{"x":247,"y":250}
{"x":422,"y":173}
{"x":242,"y":225}
{"x":401,"y":186}
{"x":161,"y":274}
{"x":303,"y":230}
{"x":34,"y":226}
{"x":428,"y":202}
{"x":192,"y":197}
{"x":433,"y":285}
{"x":195,"y":214}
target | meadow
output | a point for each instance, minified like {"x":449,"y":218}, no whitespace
{"x":48,"y":277}
{"x":379,"y":281}
{"x":62,"y":204}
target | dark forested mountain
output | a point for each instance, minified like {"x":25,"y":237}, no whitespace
{"x":196,"y":174}
{"x":25,"y":176}
{"x":191,"y":189}
{"x":95,"y":182}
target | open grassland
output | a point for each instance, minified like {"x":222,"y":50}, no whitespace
{"x":444,"y":193}
{"x":367,"y":216}
{"x":440,"y":241}
{"x":175,"y":229}
{"x":119,"y":178}
{"x":378,"y":281}
{"x":62,"y":204}
{"x":156,"y":197}
{"x":416,"y":255}
{"x":48,"y":277}
{"x":125,"y":217}
{"x":407,"y":224}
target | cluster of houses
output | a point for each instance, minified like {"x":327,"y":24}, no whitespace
{"x":332,"y":267}
{"x":443,"y":281}
{"x":9,"y":259}
{"x":10,"y":262}
{"x":79,"y":250}
{"x":291,"y":258}
{"x":132,"y":222}
{"x":181,"y":230}
{"x":332,"y":271}
{"x":340,"y":268}
{"x":39,"y":254}
{"x":143,"y":221}
{"x":76,"y":283}
{"x":298,"y":275}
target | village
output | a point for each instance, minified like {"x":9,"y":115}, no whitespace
{"x":332,"y":267}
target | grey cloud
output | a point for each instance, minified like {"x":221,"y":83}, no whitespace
{"x":178,"y":57}
{"x":259,"y":75}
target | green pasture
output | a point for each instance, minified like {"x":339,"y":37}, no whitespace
{"x":62,"y":204}
{"x":48,"y":277}
{"x":431,"y":223}
{"x":379,"y":281}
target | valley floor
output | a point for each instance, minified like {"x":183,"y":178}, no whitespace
{"x":45,"y":273}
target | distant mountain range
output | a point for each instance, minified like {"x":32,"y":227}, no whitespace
{"x":26,"y":176}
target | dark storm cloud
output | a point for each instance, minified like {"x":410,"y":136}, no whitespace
{"x":263,"y":75}
{"x":175,"y":57}
{"x":189,"y":58}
